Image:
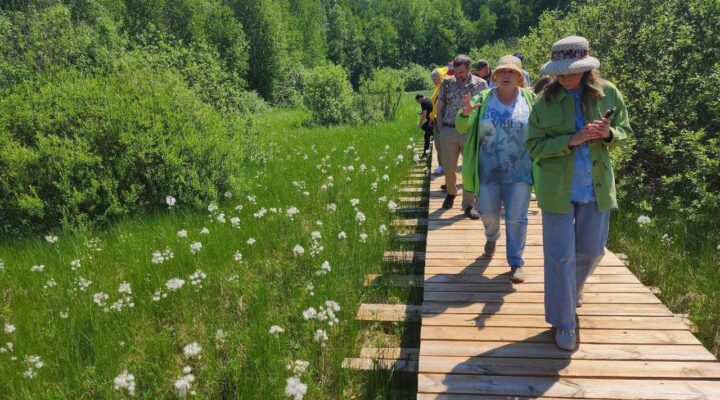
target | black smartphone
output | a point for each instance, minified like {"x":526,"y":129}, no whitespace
{"x":609,"y":113}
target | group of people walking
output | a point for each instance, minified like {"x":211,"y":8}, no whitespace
{"x":555,"y":141}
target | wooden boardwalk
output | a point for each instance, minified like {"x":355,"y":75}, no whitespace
{"x":484,"y":338}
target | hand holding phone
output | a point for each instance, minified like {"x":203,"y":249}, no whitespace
{"x":610,"y":112}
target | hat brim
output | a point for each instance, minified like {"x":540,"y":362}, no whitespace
{"x":567,"y":67}
{"x":507,"y":67}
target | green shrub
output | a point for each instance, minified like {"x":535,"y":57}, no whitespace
{"x":86,"y":149}
{"x":381,"y":94}
{"x":329,"y":96}
{"x":416,"y":78}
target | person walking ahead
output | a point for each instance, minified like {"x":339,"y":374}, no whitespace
{"x":497,"y":167}
{"x":425,"y":124}
{"x":569,"y":137}
{"x":450,"y":98}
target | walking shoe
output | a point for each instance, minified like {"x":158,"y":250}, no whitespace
{"x":579,"y":302}
{"x":443,"y":188}
{"x":489,"y":249}
{"x":439,"y":170}
{"x":449,"y":201}
{"x":533,"y":197}
{"x":472,"y":214}
{"x":517,"y":274}
{"x":565,"y":339}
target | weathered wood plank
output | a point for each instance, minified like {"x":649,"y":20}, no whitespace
{"x":369,"y":364}
{"x":504,"y":277}
{"x":509,"y":287}
{"x":538,"y":321}
{"x":539,"y":309}
{"x":389,"y":312}
{"x":391,"y":353}
{"x":394,"y":280}
{"x":532,"y":297}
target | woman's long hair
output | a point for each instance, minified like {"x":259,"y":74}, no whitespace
{"x":590,"y":81}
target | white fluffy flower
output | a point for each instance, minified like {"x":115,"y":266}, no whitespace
{"x":204,"y":231}
{"x":238,"y":256}
{"x":298,"y":250}
{"x":643,"y":220}
{"x":235,"y":221}
{"x":195,"y":247}
{"x":354,"y":202}
{"x":75,"y":265}
{"x":383,"y":229}
{"x":51,"y":238}
{"x":184,"y":384}
{"x":292,"y":212}
{"x":316,"y":235}
{"x":392,"y":206}
{"x":37,"y":268}
{"x":170,"y":201}
{"x":251,"y":241}
{"x":212,"y":207}
{"x":363,"y":237}
{"x":100,"y":298}
{"x":9,"y":328}
{"x":125,"y":381}
{"x":191,"y":350}
{"x":174,"y":284}
{"x":182,"y":233}
{"x":276,"y":330}
{"x":385,"y":177}
{"x":321,"y":337}
{"x":298,"y":367}
{"x":331,"y":207}
{"x":295,"y":389}
{"x":342,"y":235}
{"x":310,"y":313}
{"x":360,"y":217}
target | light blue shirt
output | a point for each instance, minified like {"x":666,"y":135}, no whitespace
{"x":582,"y":185}
{"x":504,"y":129}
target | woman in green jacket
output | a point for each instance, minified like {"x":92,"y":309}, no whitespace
{"x":496,"y":166}
{"x":571,"y":129}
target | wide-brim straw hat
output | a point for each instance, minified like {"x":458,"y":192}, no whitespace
{"x":570,"y":55}
{"x":509,"y":62}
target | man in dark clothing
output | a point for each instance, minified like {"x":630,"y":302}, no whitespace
{"x":425,"y":124}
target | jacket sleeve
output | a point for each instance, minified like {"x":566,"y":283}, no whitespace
{"x":541,"y":145}
{"x":620,"y":124}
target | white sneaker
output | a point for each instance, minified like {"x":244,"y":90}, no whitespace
{"x":439,"y":170}
{"x":533,"y":197}
{"x":565,"y":339}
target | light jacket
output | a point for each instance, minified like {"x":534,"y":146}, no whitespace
{"x":442,"y":72}
{"x":552,"y":124}
{"x":471,"y":125}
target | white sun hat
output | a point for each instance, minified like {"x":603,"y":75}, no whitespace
{"x":570,"y":56}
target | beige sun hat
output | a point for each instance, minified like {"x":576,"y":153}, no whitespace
{"x":509,"y":62}
{"x":570,"y":56}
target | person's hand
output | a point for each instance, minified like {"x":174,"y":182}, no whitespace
{"x":587,"y":133}
{"x":467,"y":106}
{"x":602,"y":127}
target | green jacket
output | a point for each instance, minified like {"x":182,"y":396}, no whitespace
{"x":552,"y":124}
{"x":471,"y":126}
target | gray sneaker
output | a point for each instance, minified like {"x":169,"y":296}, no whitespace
{"x":517,"y":274}
{"x":565,"y":339}
{"x":579,"y":302}
{"x":489,"y":250}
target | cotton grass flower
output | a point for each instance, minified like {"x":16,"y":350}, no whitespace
{"x":309,"y":314}
{"x":276,"y":330}
{"x":292,"y":212}
{"x":74,"y":265}
{"x":52,"y":239}
{"x":643,"y":220}
{"x":174,"y":284}
{"x":100,"y":298}
{"x":37,"y":268}
{"x":354,"y":202}
{"x":235,"y":221}
{"x":383,"y":229}
{"x":212,"y":207}
{"x":251,"y":241}
{"x":195,"y":247}
{"x":392,"y":206}
{"x":9,"y":328}
{"x":204,"y":231}
{"x":33,"y":363}
{"x":170,"y":201}
{"x":182,"y":233}
{"x":360,"y":217}
{"x":342,"y":235}
{"x":363,"y":237}
{"x":298,"y":250}
{"x":191,"y":350}
{"x":237,"y":256}
{"x":125,"y":382}
{"x":321,"y":337}
{"x":298,"y":367}
{"x":295,"y":389}
{"x":331,"y":207}
{"x":183,"y":385}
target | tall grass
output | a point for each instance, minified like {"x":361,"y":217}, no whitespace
{"x":84,"y":346}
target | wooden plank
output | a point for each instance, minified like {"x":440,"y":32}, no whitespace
{"x":484,"y":261}
{"x":570,"y":368}
{"x":415,"y":237}
{"x":531,"y":297}
{"x":504,"y":276}
{"x":395,"y":280}
{"x":587,"y":388}
{"x":585,"y":351}
{"x":389,"y":312}
{"x":508,"y":287}
{"x":410,"y":222}
{"x":390,"y":353}
{"x":538,"y":321}
{"x":606,"y":336}
{"x":639,"y":310}
{"x":439,"y":396}
{"x":369,"y":364}
{"x":404,"y":255}
{"x":532,"y":267}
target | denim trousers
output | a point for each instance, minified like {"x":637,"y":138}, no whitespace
{"x":573,"y":245}
{"x":516,"y":199}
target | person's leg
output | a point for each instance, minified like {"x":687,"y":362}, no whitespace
{"x":438,"y":152}
{"x":450,"y":155}
{"x":488,"y":205}
{"x":516,"y":198}
{"x":428,"y":134}
{"x":591,"y":233}
{"x":559,"y":253}
{"x":468,"y":198}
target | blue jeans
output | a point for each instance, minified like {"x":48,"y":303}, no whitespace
{"x":516,"y":198}
{"x":573,"y":245}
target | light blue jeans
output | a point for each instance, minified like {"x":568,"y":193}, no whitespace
{"x":516,"y":198}
{"x":573,"y":245}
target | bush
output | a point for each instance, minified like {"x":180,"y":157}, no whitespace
{"x":80,"y":149}
{"x":416,"y":78}
{"x":381,"y":94}
{"x":329,"y":96}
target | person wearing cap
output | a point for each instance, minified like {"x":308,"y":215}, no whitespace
{"x":483,"y":70}
{"x":497,"y":167}
{"x":569,"y":138}
{"x":450,"y":99}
